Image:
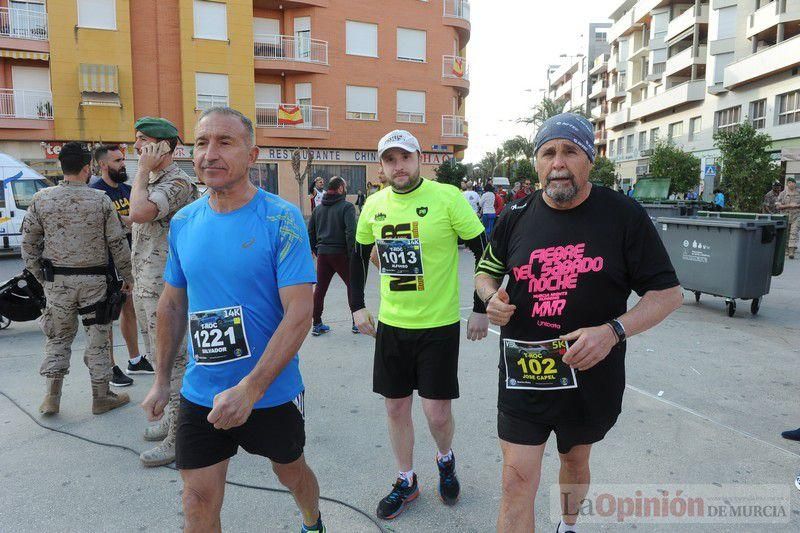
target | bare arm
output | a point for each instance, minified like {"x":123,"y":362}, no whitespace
{"x":232,"y":407}
{"x":298,"y":307}
{"x":498,"y":307}
{"x":651,"y":309}
{"x":171,"y":327}
{"x":592,"y":345}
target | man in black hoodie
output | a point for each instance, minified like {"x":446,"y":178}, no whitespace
{"x":332,"y":231}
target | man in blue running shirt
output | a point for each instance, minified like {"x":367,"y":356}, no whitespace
{"x":240,"y":268}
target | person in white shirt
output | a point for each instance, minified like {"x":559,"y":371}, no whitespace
{"x":472,"y":197}
{"x":486,"y":204}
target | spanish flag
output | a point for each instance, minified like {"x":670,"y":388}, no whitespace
{"x":289,"y":115}
{"x":458,"y":66}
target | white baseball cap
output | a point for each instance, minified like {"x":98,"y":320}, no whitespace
{"x":398,"y":139}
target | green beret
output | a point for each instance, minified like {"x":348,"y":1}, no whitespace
{"x":156,"y":127}
{"x":792,"y":180}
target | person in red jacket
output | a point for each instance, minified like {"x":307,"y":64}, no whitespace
{"x":499,"y":200}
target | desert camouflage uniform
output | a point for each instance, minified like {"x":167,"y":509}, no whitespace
{"x":73,"y":225}
{"x":169,"y":189}
{"x":787,"y":197}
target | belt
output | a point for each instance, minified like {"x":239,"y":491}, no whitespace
{"x":81,"y":271}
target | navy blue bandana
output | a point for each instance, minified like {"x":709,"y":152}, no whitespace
{"x":567,"y":126}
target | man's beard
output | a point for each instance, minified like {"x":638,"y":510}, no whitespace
{"x":118,"y":176}
{"x":561,"y":194}
{"x":413,"y":181}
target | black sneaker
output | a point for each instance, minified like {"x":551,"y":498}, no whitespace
{"x":449,"y":487}
{"x":142,"y":367}
{"x":118,"y":379}
{"x":791,"y":435}
{"x":397,"y":500}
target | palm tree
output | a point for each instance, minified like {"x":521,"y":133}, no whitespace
{"x":518,"y":147}
{"x":548,"y":108}
{"x":544,"y":110}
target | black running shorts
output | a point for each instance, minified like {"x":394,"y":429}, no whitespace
{"x":526,"y":432}
{"x":277,"y":433}
{"x":425,"y":360}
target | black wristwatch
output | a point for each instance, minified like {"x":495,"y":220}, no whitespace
{"x":619,"y":330}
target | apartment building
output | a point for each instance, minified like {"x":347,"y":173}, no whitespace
{"x":579,"y":83}
{"x":683,"y":70}
{"x":330,"y":76}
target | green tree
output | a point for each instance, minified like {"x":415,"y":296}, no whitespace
{"x":519,"y":146}
{"x":603,"y":172}
{"x":682,"y":169}
{"x":452,"y":172}
{"x":548,"y":108}
{"x":542,"y":111}
{"x":747,"y":168}
{"x":524,"y":171}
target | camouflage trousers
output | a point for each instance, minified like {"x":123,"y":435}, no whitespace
{"x":59,"y":322}
{"x":146,"y":306}
{"x":794,"y":227}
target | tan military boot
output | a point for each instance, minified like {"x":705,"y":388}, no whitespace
{"x":792,"y":250}
{"x":164,"y":453}
{"x":104,"y":400}
{"x":158,"y":431}
{"x":52,"y":400}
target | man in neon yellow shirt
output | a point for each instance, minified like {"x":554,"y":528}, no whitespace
{"x":415,"y":225}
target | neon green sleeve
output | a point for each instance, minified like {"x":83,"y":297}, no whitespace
{"x":464,"y":220}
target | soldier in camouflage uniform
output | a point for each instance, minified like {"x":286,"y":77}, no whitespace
{"x":771,"y":199}
{"x":160,"y":189}
{"x":67,"y":234}
{"x":789,"y":204}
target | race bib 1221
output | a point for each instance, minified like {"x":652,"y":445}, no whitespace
{"x":218,"y":336}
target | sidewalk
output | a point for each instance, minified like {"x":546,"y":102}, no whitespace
{"x":707,"y":399}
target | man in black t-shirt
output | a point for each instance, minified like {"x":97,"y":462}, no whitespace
{"x":573,"y":253}
{"x":111,"y":161}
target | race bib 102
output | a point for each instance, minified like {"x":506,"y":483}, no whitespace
{"x":218,"y":336}
{"x":400,"y":257}
{"x":537,"y":365}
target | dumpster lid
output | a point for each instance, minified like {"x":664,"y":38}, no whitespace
{"x":732,"y":223}
{"x":651,"y":189}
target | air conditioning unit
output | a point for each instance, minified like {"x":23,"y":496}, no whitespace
{"x":647,"y":152}
{"x":642,"y":170}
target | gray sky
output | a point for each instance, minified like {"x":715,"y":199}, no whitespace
{"x":511,"y":45}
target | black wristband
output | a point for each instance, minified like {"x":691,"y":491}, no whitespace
{"x":486,"y":301}
{"x":619,"y":330}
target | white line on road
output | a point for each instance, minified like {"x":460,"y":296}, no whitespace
{"x":695,"y":413}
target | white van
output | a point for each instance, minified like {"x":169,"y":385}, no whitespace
{"x":18,"y":184}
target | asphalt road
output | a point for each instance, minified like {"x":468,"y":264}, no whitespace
{"x":707,"y":399}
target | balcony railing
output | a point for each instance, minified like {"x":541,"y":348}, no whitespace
{"x":288,"y":48}
{"x":26,"y":104}
{"x":454,"y":126}
{"x":455,"y":67}
{"x":23,"y":24}
{"x":292,"y":116}
{"x":770,"y":15}
{"x":457,"y":9}
{"x":776,"y":58}
{"x":686,"y":20}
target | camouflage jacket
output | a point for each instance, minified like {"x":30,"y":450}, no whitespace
{"x":73,"y":225}
{"x":169,"y":189}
